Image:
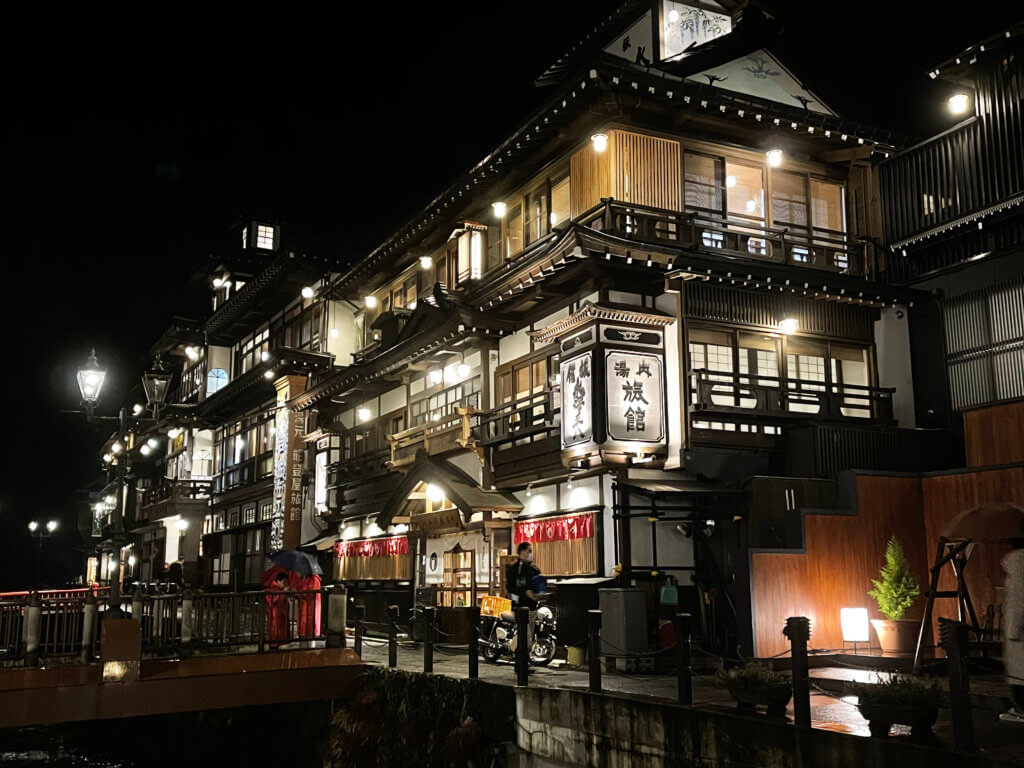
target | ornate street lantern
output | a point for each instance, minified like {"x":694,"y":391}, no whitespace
{"x":90,"y":381}
{"x":156,"y":383}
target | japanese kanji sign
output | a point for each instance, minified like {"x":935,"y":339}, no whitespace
{"x":577,"y":400}
{"x":636,"y":399}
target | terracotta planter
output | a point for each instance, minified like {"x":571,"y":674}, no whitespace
{"x":773,"y":697}
{"x":880,"y":718}
{"x":896,"y":636}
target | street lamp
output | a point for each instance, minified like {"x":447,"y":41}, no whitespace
{"x":90,"y":382}
{"x":40,"y":532}
{"x":155,"y":383}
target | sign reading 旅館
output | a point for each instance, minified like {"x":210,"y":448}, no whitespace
{"x":636,"y":400}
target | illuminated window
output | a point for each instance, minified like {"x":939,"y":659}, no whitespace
{"x":215,"y":379}
{"x":264,"y":237}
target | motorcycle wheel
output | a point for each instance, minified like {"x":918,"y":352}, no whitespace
{"x":543,"y":650}
{"x":491,"y":650}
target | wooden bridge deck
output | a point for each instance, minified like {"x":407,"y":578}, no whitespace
{"x":77,"y":692}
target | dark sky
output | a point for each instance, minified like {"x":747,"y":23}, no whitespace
{"x":127,"y":143}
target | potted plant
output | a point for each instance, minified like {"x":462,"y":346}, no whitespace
{"x":756,"y":683}
{"x":895,"y":593}
{"x":901,"y":699}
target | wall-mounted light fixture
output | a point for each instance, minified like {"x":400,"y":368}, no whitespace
{"x":599,"y":141}
{"x":500,"y":209}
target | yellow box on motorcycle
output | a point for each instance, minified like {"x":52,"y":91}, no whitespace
{"x":492,"y":605}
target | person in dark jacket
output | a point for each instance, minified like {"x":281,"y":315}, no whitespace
{"x":520,"y":578}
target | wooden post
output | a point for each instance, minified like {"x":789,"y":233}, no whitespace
{"x":473,"y":619}
{"x":89,"y":619}
{"x":954,"y":641}
{"x":798,"y":630}
{"x":522,"y":657}
{"x":684,"y":671}
{"x":33,"y":627}
{"x":392,"y":636}
{"x":594,"y":649}
{"x":428,"y":638}
{"x":359,"y":613}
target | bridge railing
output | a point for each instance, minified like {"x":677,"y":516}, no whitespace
{"x":170,"y":623}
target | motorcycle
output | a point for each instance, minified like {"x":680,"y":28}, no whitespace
{"x":502,"y":640}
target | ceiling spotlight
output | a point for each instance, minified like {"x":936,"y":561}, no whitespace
{"x":788,"y":325}
{"x":268,"y":374}
{"x":599,"y":141}
{"x":426,"y":262}
{"x":774,"y":157}
{"x":145,"y":450}
{"x":370,"y":302}
{"x":363,"y":414}
{"x":436,"y":376}
{"x":434,"y":493}
{"x":500,"y":209}
{"x":958,"y":103}
{"x":308,"y":292}
{"x":173,"y":432}
{"x":181,"y":525}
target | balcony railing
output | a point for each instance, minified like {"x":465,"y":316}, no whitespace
{"x":447,"y":434}
{"x":177,"y":490}
{"x":365,"y":465}
{"x":528,"y":416}
{"x":776,"y":399}
{"x":735,"y":235}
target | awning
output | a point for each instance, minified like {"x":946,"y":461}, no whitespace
{"x":322,"y":544}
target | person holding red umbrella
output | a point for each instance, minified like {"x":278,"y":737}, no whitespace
{"x":278,"y":583}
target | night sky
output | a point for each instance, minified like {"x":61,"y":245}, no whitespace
{"x":125,"y":152}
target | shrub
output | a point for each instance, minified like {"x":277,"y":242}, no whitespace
{"x":751,"y":675}
{"x":898,"y":691}
{"x":898,"y":588}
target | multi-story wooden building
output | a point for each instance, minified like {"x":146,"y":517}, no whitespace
{"x":663,"y":284}
{"x":646,"y":333}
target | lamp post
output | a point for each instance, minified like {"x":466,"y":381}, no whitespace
{"x":155,"y":383}
{"x":41,"y":532}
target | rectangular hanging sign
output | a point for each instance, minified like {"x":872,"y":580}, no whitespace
{"x":636,"y":397}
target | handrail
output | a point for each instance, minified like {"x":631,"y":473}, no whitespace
{"x":753,"y":393}
{"x":527,"y":415}
{"x":174,"y":489}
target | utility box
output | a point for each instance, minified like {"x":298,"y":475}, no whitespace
{"x":623,"y":621}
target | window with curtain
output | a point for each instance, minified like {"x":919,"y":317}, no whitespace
{"x":703,"y":183}
{"x":744,"y":191}
{"x":789,"y":201}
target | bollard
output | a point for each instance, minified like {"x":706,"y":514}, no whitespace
{"x":522,"y":646}
{"x":684,"y":670}
{"x":337,"y":607}
{"x":473,"y":633}
{"x":186,"y":624}
{"x":594,"y":649}
{"x":953,"y":639}
{"x":392,"y":635}
{"x":798,"y":630}
{"x":359,"y":613}
{"x":33,"y":626}
{"x":428,"y":638}
{"x":89,"y":616}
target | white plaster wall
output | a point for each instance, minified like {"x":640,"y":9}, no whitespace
{"x":393,"y":400}
{"x":621,"y":297}
{"x":554,"y":317}
{"x":341,"y":319}
{"x":673,"y":373}
{"x":513,"y":346}
{"x":892,"y":351}
{"x":219,"y":357}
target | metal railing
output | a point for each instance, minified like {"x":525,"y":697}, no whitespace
{"x":173,"y":623}
{"x":527,"y":416}
{"x":177,"y":490}
{"x":745,"y":393}
{"x":735,"y":234}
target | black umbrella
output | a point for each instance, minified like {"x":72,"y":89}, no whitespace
{"x":299,"y":562}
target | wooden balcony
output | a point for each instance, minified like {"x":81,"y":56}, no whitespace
{"x":366,"y":465}
{"x":734,"y":236}
{"x":448,"y":434}
{"x":174,"y":497}
{"x":741,"y":397}
{"x":532,"y":415}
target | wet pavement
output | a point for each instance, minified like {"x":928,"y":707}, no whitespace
{"x":831,"y":708}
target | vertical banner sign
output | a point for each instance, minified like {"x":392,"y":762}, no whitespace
{"x":577,"y":400}
{"x":285,"y":528}
{"x":636,"y":397}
